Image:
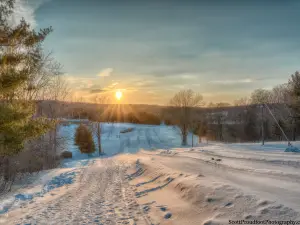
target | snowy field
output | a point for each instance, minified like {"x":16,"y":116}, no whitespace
{"x":146,"y":137}
{"x":161,"y":184}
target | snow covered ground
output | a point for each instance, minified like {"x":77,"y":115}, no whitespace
{"x":146,"y":137}
{"x":162,"y":184}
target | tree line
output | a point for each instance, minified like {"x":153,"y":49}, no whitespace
{"x":261,"y":116}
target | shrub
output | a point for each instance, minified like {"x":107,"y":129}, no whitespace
{"x":126,"y":130}
{"x":66,"y":154}
{"x":84,"y":139}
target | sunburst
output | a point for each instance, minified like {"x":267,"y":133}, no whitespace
{"x":119,"y":95}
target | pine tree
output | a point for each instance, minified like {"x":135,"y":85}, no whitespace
{"x":84,"y":139}
{"x":20,"y":56}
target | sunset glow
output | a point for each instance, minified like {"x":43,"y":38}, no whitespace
{"x":119,"y":95}
{"x":208,"y":52}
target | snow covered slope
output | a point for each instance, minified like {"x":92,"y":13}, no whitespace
{"x":147,"y":137}
{"x":208,"y":184}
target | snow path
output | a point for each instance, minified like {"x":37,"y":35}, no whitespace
{"x":280,"y":184}
{"x":101,"y":195}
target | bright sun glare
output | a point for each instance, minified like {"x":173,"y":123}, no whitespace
{"x":119,"y":95}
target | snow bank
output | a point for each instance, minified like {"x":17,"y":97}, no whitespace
{"x":62,"y":179}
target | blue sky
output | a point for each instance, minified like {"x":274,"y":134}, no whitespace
{"x":151,"y":50}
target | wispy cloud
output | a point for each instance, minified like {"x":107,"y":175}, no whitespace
{"x":228,"y":82}
{"x":26,"y":9}
{"x":113,"y":85}
{"x":23,"y":10}
{"x":81,"y":82}
{"x":105,"y":73}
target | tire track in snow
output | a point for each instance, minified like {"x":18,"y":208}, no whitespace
{"x":102,"y":196}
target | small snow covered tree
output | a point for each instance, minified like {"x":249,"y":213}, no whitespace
{"x":84,"y":139}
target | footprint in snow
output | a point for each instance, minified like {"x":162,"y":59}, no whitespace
{"x":146,"y":209}
{"x":168,"y":216}
{"x":263,"y":203}
{"x":229,"y":204}
{"x":162,"y":208}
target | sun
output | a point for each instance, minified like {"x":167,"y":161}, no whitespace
{"x":119,"y":95}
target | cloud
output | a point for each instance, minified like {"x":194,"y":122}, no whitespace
{"x":26,"y":9}
{"x":23,"y":10}
{"x":113,"y":85}
{"x":229,"y":82}
{"x":83,"y":83}
{"x":94,"y":91}
{"x":170,"y":72}
{"x":105,"y":73}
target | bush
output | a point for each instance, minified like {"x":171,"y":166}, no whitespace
{"x":66,"y":155}
{"x":84,"y":139}
{"x":126,"y":130}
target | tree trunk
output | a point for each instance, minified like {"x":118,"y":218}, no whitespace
{"x":55,"y":138}
{"x":262,"y":126}
{"x":192,"y":140}
{"x":184,"y":134}
{"x":294,"y":130}
{"x":6,"y":169}
{"x":184,"y":139}
{"x":99,"y":137}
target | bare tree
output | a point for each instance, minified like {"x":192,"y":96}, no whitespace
{"x":56,"y":90}
{"x":41,"y":79}
{"x":281,"y":94}
{"x":181,"y":107}
{"x":98,"y":117}
{"x":261,"y":96}
{"x":242,"y":101}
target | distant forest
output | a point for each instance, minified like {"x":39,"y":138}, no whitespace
{"x":225,"y":123}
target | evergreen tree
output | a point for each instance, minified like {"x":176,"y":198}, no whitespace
{"x":20,"y":56}
{"x":84,"y":139}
